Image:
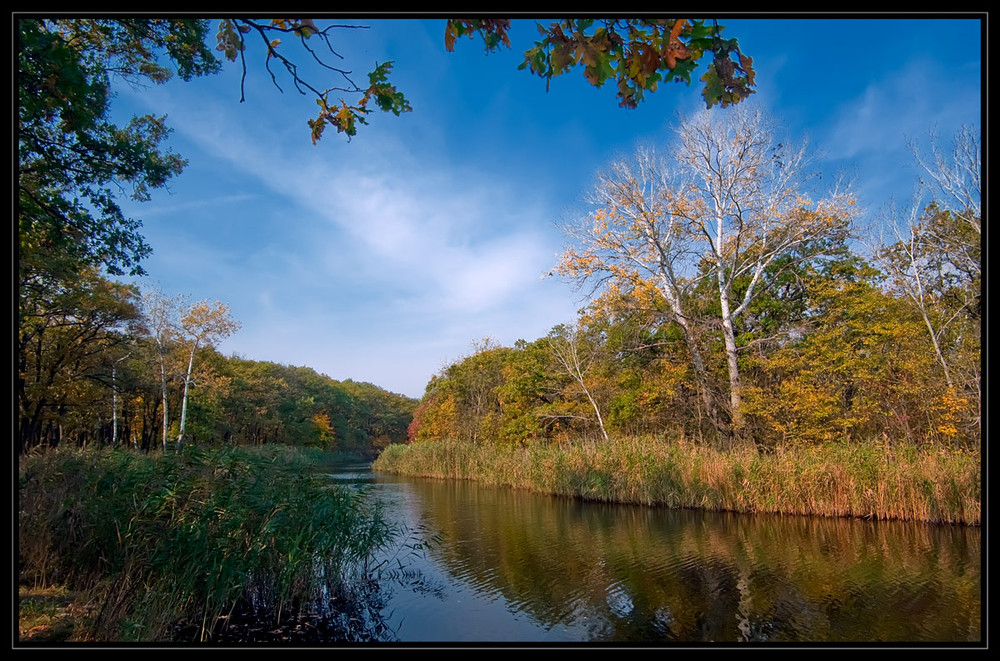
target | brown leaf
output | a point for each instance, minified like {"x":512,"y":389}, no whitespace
{"x":675,"y":50}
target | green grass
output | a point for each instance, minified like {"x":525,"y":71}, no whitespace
{"x":154,"y":539}
{"x":844,"y":480}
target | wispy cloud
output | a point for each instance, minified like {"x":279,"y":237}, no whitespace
{"x":399,"y":261}
{"x":901,"y":105}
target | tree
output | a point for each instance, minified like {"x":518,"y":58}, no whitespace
{"x":527,"y":393}
{"x":643,"y":365}
{"x":160,"y":314}
{"x":201,"y":324}
{"x":933,"y":256}
{"x":114,"y":398}
{"x":746,"y":203}
{"x":859,"y":370}
{"x":72,"y":161}
{"x":464,"y":396}
{"x":921,"y":268}
{"x":637,"y":244}
{"x":956,"y":179}
{"x":575,"y":355}
{"x":727,"y":205}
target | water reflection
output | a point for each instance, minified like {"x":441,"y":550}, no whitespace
{"x":513,"y":566}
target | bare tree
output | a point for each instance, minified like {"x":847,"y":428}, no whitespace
{"x":160,"y":312}
{"x":955,"y":180}
{"x":571,"y":352}
{"x":932,"y":250}
{"x":725,"y":203}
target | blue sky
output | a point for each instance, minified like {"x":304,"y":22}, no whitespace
{"x":382,"y":259}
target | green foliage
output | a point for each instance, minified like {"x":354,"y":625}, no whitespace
{"x":68,"y":336}
{"x":527,"y":394}
{"x":84,"y":358}
{"x":641,"y":53}
{"x":262,"y":402}
{"x":826,"y":355}
{"x":73,"y":161}
{"x":863,"y":370}
{"x":154,"y":539}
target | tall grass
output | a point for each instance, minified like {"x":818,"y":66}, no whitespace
{"x":848,"y":480}
{"x":153,"y":539}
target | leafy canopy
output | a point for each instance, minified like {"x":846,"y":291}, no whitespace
{"x":72,"y":160}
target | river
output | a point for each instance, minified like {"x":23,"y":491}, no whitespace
{"x":505,"y":566}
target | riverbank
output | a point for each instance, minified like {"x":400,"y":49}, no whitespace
{"x":149,"y":545}
{"x":870,"y":481}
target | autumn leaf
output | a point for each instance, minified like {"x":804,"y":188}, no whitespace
{"x":675,"y":49}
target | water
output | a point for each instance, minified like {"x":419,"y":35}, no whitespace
{"x":508,"y":566}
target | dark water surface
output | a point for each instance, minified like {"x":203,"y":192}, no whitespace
{"x":510,"y":566}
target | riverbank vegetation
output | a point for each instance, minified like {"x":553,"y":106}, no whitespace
{"x":146,"y":542}
{"x":868,"y":481}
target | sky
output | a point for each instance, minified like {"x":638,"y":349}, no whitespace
{"x":385,"y":257}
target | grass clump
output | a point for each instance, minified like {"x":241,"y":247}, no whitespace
{"x":151,"y":540}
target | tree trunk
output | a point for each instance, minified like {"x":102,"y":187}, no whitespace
{"x":700,"y":373}
{"x":737,"y":422}
{"x":735,"y":384}
{"x":184,"y":399}
{"x":163,"y":394}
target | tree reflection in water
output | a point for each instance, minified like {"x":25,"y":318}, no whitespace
{"x":600,"y":572}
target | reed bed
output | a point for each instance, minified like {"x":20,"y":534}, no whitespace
{"x":875,"y":481}
{"x":152,"y":540}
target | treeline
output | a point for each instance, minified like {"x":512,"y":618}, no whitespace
{"x":858,"y":366}
{"x":101,"y":363}
{"x":731,"y":310}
